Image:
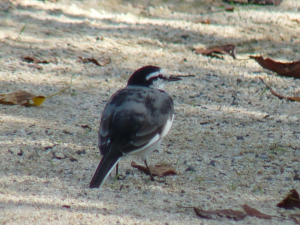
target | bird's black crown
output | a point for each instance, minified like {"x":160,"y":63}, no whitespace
{"x":139,"y":77}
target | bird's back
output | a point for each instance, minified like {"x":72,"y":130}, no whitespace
{"x":132,"y":117}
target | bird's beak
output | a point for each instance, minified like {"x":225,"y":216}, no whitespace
{"x":174,"y":78}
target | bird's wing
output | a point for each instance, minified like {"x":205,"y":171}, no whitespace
{"x":131,"y":120}
{"x":133,"y":124}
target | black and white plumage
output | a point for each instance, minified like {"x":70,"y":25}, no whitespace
{"x":135,"y":120}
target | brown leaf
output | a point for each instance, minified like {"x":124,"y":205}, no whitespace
{"x":102,"y":61}
{"x":296,"y":20}
{"x":237,"y":1}
{"x":26,"y":98}
{"x":21,"y":98}
{"x":260,"y":2}
{"x":223,"y":49}
{"x":291,"y":69}
{"x":229,"y":9}
{"x":157,"y":170}
{"x":297,"y":99}
{"x":291,"y":201}
{"x":254,"y":212}
{"x":207,"y":21}
{"x":229,"y":213}
{"x":30,"y":59}
{"x":66,"y":206}
{"x":266,"y":2}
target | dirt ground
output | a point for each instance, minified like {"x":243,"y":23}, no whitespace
{"x":231,"y":143}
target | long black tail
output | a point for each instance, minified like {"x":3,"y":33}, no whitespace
{"x":107,"y":163}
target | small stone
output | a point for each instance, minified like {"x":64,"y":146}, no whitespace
{"x":264,"y":156}
{"x":212,"y":163}
{"x":269,"y":178}
{"x":48,"y":148}
{"x":20,"y":153}
{"x":190,"y":168}
{"x":83,"y":152}
{"x":239,"y":138}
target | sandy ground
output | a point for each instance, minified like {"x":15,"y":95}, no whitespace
{"x":241,"y":146}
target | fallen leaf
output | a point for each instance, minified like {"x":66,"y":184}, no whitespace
{"x":291,"y":69}
{"x":229,"y":213}
{"x":296,"y":20}
{"x":237,"y":1}
{"x":30,"y":59}
{"x":229,"y":9}
{"x":21,"y":98}
{"x":260,"y":2}
{"x":297,"y":99}
{"x":26,"y":98}
{"x":223,"y":49}
{"x":291,"y":201}
{"x":265,"y":2}
{"x":207,"y":21}
{"x":157,"y":170}
{"x":101,"y":62}
{"x":86,"y":127}
{"x":254,"y":212}
{"x":66,"y":206}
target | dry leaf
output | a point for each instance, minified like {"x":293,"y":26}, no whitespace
{"x":223,"y":49}
{"x":284,"y":69}
{"x":26,"y":98}
{"x":229,"y":9}
{"x":30,"y":59}
{"x":237,"y":1}
{"x":21,"y":98}
{"x":291,"y":201}
{"x":254,"y":212}
{"x":260,"y":2}
{"x":229,"y":213}
{"x":266,"y":2}
{"x":102,"y":62}
{"x":297,"y":99}
{"x":207,"y":21}
{"x":296,"y":20}
{"x":157,"y":170}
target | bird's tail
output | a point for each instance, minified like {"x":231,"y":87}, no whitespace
{"x":107,"y":163}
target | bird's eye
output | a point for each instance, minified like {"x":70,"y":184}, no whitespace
{"x":161,"y":77}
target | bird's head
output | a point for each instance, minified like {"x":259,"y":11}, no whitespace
{"x":152,"y":77}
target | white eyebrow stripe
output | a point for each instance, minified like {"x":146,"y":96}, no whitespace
{"x":155,"y":74}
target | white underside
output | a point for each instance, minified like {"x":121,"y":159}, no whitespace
{"x":145,"y":151}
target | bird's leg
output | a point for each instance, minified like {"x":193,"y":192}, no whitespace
{"x":117,"y":169}
{"x":118,"y":177}
{"x":152,"y":178}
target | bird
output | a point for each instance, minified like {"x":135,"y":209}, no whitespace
{"x":135,"y":120}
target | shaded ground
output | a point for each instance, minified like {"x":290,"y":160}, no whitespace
{"x":243,"y":146}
